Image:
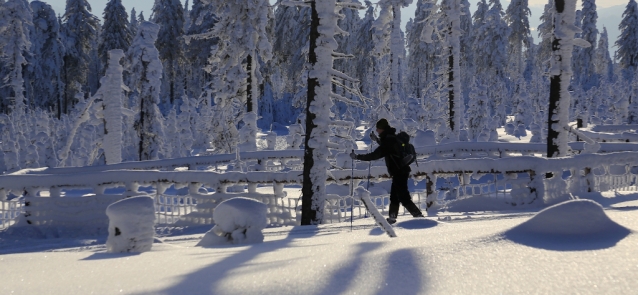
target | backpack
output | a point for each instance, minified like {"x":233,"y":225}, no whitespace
{"x":407,"y":153}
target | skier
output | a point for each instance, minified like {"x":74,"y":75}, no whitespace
{"x":389,"y":148}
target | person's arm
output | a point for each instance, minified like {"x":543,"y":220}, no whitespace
{"x":374,"y":155}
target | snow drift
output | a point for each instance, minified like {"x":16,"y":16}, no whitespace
{"x":571,"y":225}
{"x":237,"y":221}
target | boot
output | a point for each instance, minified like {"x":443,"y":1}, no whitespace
{"x":392,"y":219}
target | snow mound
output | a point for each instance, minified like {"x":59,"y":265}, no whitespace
{"x":237,"y":221}
{"x":571,"y":225}
{"x":575,"y":217}
{"x":131,"y":225}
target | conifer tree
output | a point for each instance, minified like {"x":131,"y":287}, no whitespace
{"x":585,"y":69}
{"x":80,"y":31}
{"x":517,"y":17}
{"x":169,"y":14}
{"x":145,"y":68}
{"x":116,"y":32}
{"x":603,"y":62}
{"x":197,"y":50}
{"x":389,"y":42}
{"x":47,"y":61}
{"x":234,"y":64}
{"x":422,"y":57}
{"x":627,"y":43}
{"x":545,"y":32}
{"x":15,"y":19}
{"x":491,"y":55}
{"x":366,"y":63}
{"x":133,"y":22}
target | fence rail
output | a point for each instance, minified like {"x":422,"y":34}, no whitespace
{"x":189,"y":197}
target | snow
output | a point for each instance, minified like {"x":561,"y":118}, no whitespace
{"x":237,"y":221}
{"x":131,"y":225}
{"x":467,"y":254}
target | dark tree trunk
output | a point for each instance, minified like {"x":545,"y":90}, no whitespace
{"x":451,"y":89}
{"x":249,"y":96}
{"x":553,"y":128}
{"x":308,"y":214}
{"x":140,"y":126}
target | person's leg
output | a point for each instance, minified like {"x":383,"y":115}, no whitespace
{"x":403,"y":195}
{"x":394,"y":200}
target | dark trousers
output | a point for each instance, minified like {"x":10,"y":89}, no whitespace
{"x":399,"y":194}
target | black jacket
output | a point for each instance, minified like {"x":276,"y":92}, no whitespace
{"x":389,"y":149}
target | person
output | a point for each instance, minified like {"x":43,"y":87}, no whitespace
{"x":389,"y":149}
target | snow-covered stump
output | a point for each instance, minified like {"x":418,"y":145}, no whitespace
{"x":131,"y":225}
{"x":237,"y":221}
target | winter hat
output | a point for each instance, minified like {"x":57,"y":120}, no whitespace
{"x":383,"y":124}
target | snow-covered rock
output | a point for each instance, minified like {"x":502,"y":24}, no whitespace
{"x":131,"y":225}
{"x":237,"y":221}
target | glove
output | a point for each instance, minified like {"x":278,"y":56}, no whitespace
{"x":353,"y":155}
{"x":374,"y":137}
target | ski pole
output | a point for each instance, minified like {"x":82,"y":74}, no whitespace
{"x":352,"y":193}
{"x":369,"y":166}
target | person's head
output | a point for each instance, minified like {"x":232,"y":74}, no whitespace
{"x":382,"y":125}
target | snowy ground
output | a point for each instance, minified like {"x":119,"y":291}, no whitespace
{"x":454,"y":253}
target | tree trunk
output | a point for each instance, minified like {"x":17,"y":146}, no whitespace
{"x":249,"y":87}
{"x":559,"y":97}
{"x":308,"y":214}
{"x":451,"y":90}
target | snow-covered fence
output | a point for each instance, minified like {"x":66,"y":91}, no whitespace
{"x":292,"y":159}
{"x":188,"y":197}
{"x":261,"y":161}
{"x":9,"y":212}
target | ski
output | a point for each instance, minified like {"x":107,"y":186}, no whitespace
{"x":377,"y":216}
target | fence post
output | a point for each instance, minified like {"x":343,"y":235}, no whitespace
{"x":429,"y":191}
{"x":588,"y":178}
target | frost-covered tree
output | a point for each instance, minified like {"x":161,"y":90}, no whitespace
{"x":477,"y":115}
{"x":563,"y":42}
{"x":365,"y":61}
{"x":585,"y":69}
{"x":490,"y":48}
{"x":389,"y":42}
{"x":446,"y":25}
{"x":544,"y":51}
{"x":133,"y":22}
{"x":112,"y":92}
{"x":517,"y":17}
{"x":603,"y":62}
{"x":47,"y":60}
{"x":478,"y":18}
{"x":627,"y":43}
{"x":15,"y":20}
{"x":80,"y":32}
{"x":197,"y":50}
{"x":422,"y":55}
{"x":145,"y":69}
{"x":234,"y":64}
{"x":321,"y":55}
{"x":169,"y":14}
{"x":466,"y":61}
{"x":116,"y":32}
